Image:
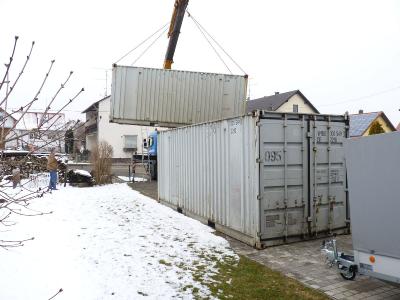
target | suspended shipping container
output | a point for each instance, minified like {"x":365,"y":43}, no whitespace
{"x":172,"y":98}
{"x":265,"y":179}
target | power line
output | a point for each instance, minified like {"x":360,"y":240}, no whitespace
{"x":363,"y":97}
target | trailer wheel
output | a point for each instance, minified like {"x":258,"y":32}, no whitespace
{"x":348,"y":274}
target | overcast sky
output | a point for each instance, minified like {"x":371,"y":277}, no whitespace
{"x":342,"y":55}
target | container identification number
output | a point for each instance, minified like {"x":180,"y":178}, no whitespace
{"x":334,"y":135}
{"x":273,"y":156}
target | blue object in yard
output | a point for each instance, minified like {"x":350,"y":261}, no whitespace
{"x":153,"y":143}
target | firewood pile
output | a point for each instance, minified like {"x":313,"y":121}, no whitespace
{"x":29,"y":164}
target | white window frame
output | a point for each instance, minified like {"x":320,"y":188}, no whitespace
{"x":130,"y":142}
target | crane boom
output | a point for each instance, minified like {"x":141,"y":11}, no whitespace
{"x":174,"y":30}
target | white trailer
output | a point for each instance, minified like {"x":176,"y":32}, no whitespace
{"x":373,"y":170}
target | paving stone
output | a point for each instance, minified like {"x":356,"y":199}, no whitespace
{"x":330,"y":293}
{"x":349,"y":293}
{"x":386,"y":295}
{"x":393,"y":297}
{"x":357,"y":297}
{"x":374,"y":297}
{"x":327,"y":288}
{"x":315,"y":286}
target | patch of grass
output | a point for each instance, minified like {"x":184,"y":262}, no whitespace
{"x":250,"y":280}
{"x":185,"y":288}
{"x":163,"y":262}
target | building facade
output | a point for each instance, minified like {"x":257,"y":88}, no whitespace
{"x":37,"y":131}
{"x":126,"y":140}
{"x":7,"y":123}
{"x":361,"y":123}
{"x":293,"y":101}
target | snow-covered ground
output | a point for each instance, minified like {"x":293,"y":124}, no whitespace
{"x":108,"y":242}
{"x":136,"y":179}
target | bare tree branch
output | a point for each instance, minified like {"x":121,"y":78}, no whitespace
{"x":10,"y":244}
{"x":9,"y":63}
{"x":54,"y":97}
{"x":16,"y":201}
{"x":19,"y":75}
{"x":60,"y":291}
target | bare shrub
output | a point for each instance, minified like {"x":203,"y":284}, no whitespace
{"x":101,"y":162}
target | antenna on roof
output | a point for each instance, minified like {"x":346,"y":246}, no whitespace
{"x":105,"y":92}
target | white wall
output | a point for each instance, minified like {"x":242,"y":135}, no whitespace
{"x":44,"y":143}
{"x":298,"y":100}
{"x":114,"y":133}
{"x":91,"y":141}
{"x":8,"y":123}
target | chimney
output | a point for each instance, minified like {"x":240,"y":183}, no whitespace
{"x":360,"y":111}
{"x":276,"y":93}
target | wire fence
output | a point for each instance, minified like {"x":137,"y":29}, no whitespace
{"x":38,"y":180}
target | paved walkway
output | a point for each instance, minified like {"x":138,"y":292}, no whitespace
{"x":303,"y":261}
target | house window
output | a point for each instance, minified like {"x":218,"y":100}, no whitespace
{"x":34,"y":135}
{"x":52,"y":136}
{"x":130,"y":142}
{"x":295,"y":108}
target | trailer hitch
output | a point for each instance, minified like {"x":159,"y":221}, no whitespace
{"x":345,"y":263}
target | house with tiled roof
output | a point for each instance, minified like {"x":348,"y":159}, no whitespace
{"x":7,"y":123}
{"x":293,"y":101}
{"x":398,"y":127}
{"x":360,"y":124}
{"x":37,"y":131}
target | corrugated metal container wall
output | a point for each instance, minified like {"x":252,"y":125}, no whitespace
{"x":265,"y":179}
{"x":171,"y":98}
{"x":210,"y":171}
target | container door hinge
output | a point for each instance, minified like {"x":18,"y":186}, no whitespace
{"x":259,"y":197}
{"x":259,"y":160}
{"x":309,"y":135}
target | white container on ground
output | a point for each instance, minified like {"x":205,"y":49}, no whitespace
{"x":172,"y":98}
{"x":265,"y":179}
{"x":373,"y":174}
